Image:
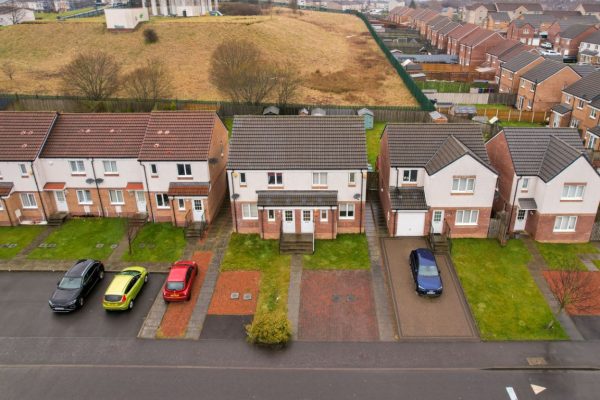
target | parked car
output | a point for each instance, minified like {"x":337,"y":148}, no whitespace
{"x":550,"y":53}
{"x":426,"y":273}
{"x":76,"y":285}
{"x":546,"y":45}
{"x":124,"y":289}
{"x":178,"y":286}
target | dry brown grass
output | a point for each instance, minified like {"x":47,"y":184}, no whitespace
{"x":340,"y":62}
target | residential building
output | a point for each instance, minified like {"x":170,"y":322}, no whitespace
{"x":580,"y":107}
{"x":477,"y":13}
{"x":546,"y":184}
{"x":589,"y":9}
{"x":439,"y":19}
{"x":589,"y":49}
{"x":183,"y":8}
{"x":298,"y":175}
{"x":432,"y":33}
{"x":458,"y":34}
{"x":474,"y":46}
{"x":15,"y":14}
{"x":560,"y":25}
{"x":442,"y":37}
{"x":493,"y":55}
{"x":497,"y":21}
{"x":530,"y":29}
{"x":435,"y":178}
{"x":515,"y":10}
{"x":512,"y":70}
{"x":567,"y":42}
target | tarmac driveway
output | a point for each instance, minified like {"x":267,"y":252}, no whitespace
{"x":25,"y":311}
{"x":447,"y":316}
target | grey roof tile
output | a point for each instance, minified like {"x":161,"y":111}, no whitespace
{"x":544,"y":70}
{"x":562,"y":109}
{"x":595,"y":130}
{"x":297,"y":198}
{"x":574,"y":31}
{"x":408,"y":198}
{"x":520,"y":61}
{"x":594,"y":38}
{"x":587,"y":88}
{"x":451,"y":150}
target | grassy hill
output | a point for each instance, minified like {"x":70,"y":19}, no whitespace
{"x":338,"y":59}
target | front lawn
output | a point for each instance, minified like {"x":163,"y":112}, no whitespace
{"x":349,"y":251}
{"x":157,"y":243}
{"x":505,"y":301}
{"x":251,"y":253}
{"x":521,"y":124}
{"x":565,"y":256}
{"x":82,"y":238}
{"x":15,"y":238}
{"x":373,"y":139}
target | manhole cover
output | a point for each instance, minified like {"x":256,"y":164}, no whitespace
{"x":113,"y":246}
{"x":335,"y":298}
{"x":43,"y":245}
{"x":234,"y":295}
{"x":11,"y":245}
{"x":142,"y":245}
{"x":51,"y":245}
{"x":536,"y":361}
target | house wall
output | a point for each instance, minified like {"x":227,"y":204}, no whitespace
{"x":167,"y":173}
{"x":541,"y":227}
{"x":583,"y":115}
{"x":383,"y":164}
{"x":219,"y":150}
{"x":480,"y":230}
{"x":24,"y":15}
{"x":547,"y":93}
{"x":501,"y":160}
{"x":13,"y":203}
{"x":508,"y":85}
{"x":125,"y":18}
{"x":570,"y":47}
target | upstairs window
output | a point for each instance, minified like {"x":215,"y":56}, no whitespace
{"x":77,"y":167}
{"x":184,"y":170}
{"x":352,"y":178}
{"x":572,"y":192}
{"x":580,"y":104}
{"x":23,"y":169}
{"x":463,"y":185}
{"x":525,"y":184}
{"x":153,"y":169}
{"x":275,"y":178}
{"x":110,"y":167}
{"x":409,"y":176}
{"x":319,"y":178}
{"x":242,"y":178}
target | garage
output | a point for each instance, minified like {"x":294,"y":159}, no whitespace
{"x":410,"y":223}
{"x":410,"y":206}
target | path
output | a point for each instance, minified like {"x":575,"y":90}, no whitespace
{"x":294,"y":293}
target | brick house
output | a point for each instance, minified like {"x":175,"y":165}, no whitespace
{"x":567,"y":42}
{"x":512,"y":70}
{"x":435,"y":25}
{"x":458,"y":34}
{"x":295,"y":175}
{"x":435,"y":178}
{"x":589,"y":9}
{"x":495,"y":54}
{"x":560,"y":25}
{"x":477,"y":13}
{"x":546,"y":183}
{"x":474,"y":46}
{"x":515,"y":10}
{"x":589,"y":49}
{"x":441,"y":42}
{"x":497,"y":21}
{"x":540,"y":88}
{"x":579,"y":106}
{"x":22,"y":136}
{"x":425,"y":20}
{"x":530,"y":29}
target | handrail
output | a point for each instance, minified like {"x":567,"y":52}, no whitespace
{"x":188,"y":218}
{"x":313,"y":234}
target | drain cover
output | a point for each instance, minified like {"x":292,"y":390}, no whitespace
{"x":234,"y":295}
{"x":350,"y":297}
{"x":247,"y":296}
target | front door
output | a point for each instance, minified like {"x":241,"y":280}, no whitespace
{"x":437,"y":221}
{"x":521,"y":220}
{"x":61,"y":202}
{"x":140,"y":199}
{"x":520,"y":102}
{"x":198,"y":211}
{"x":307,"y":221}
{"x":289,"y":225}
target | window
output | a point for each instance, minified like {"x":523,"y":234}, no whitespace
{"x":529,"y":103}
{"x":110,"y":167}
{"x":275,"y":178}
{"x":521,"y":215}
{"x":84,"y":197}
{"x":181,"y":204}
{"x":533,"y":86}
{"x":271,"y":215}
{"x":467,"y":217}
{"x":524,"y":184}
{"x":153,"y":169}
{"x":579,"y":104}
{"x":352,"y":178}
{"x":574,"y":123}
{"x":522,"y":83}
{"x":116,"y":197}
{"x":463,"y":185}
{"x":572,"y":192}
{"x":324,"y":215}
{"x":591,"y":141}
{"x":319,"y":178}
{"x":28,"y":200}
{"x":162,"y":200}
{"x":1,"y":206}
{"x":23,"y":169}
{"x":77,"y":167}
{"x":593,"y":113}
{"x":409,"y":176}
{"x":567,"y":99}
{"x":184,"y":169}
{"x":565,"y":224}
{"x":249,"y":211}
{"x":242,"y":178}
{"x":510,"y":76}
{"x":347,"y":211}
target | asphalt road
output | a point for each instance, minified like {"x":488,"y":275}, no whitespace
{"x":25,"y":311}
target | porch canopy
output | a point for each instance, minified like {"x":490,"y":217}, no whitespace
{"x":297,"y":198}
{"x":527,"y":203}
{"x":5,"y":188}
{"x":55,"y":186}
{"x":188,"y":189}
{"x":410,"y":198}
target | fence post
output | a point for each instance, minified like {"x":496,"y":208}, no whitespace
{"x":520,"y":113}
{"x":545,"y":115}
{"x":509,"y":113}
{"x":532,"y":116}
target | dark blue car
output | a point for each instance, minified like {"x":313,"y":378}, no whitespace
{"x":426,"y":273}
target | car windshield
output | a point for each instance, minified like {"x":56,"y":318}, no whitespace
{"x":174,"y":285}
{"x":69,"y":283}
{"x":428,"y":270}
{"x":129,"y":273}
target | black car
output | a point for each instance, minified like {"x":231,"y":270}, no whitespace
{"x":426,"y":273}
{"x":75,"y":285}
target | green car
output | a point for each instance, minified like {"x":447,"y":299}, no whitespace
{"x":124,"y":288}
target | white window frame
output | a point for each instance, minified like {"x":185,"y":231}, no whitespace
{"x":243,"y":179}
{"x":591,"y":140}
{"x":277,"y":182}
{"x":580,"y":104}
{"x":110,"y":167}
{"x":574,"y":123}
{"x":410,"y":177}
{"x":524,"y":184}
{"x":572,"y":192}
{"x":181,"y":204}
{"x":522,"y":83}
{"x":351,"y":178}
{"x":593,"y":113}
{"x":324,"y":215}
{"x":348,"y":211}
{"x":187,"y":170}
{"x":77,"y":166}
{"x":456,"y":184}
{"x":319,"y":178}
{"x":28,"y":201}
{"x":84,"y":197}
{"x":154,"y":169}
{"x":249,"y":211}
{"x":23,"y":169}
{"x":565,"y":223}
{"x":461,"y":214}
{"x":568,"y":99}
{"x":113,"y":195}
{"x":1,"y":205}
{"x":164,"y":202}
{"x":271,"y":215}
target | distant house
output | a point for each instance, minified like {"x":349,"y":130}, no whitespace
{"x":432,"y":34}
{"x":589,"y":9}
{"x":512,"y":70}
{"x":17,"y":14}
{"x":125,"y":18}
{"x":567,"y":42}
{"x":515,"y":10}
{"x":589,"y":49}
{"x":442,"y":36}
{"x":474,"y":46}
{"x":458,"y":34}
{"x":498,"y":21}
{"x":493,"y":56}
{"x":560,"y":25}
{"x":477,"y":13}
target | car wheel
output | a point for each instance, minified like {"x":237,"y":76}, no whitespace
{"x":80,"y":302}
{"x":131,"y":304}
{"x":101,"y":274}
{"x":146,"y":279}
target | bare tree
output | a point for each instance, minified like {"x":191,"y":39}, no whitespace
{"x":94,"y":75}
{"x":294,"y":6}
{"x":15,"y":9}
{"x":288,"y":83}
{"x":149,"y":82}
{"x":239,"y":71}
{"x":572,"y":289}
{"x":9,"y":69}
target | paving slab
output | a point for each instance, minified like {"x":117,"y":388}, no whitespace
{"x":294,"y":293}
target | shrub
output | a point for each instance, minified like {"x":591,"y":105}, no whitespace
{"x":270,"y":329}
{"x":243,"y":9}
{"x":150,"y":36}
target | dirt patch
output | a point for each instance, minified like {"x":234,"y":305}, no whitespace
{"x":241,"y":282}
{"x":175,"y":321}
{"x":593,"y":306}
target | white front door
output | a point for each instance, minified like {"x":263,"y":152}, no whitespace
{"x":61,"y":202}
{"x":289,"y":225}
{"x":197,"y":211}
{"x":140,"y":199}
{"x":521,"y":220}
{"x":410,"y":224}
{"x":307,"y":222}
{"x":437,"y":221}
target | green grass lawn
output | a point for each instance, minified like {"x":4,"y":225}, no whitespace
{"x":19,"y":235}
{"x":52,"y":16}
{"x":492,"y":106}
{"x":596,"y":263}
{"x":564,"y":256}
{"x":228,"y":124}
{"x":505,"y":301}
{"x":251,"y":253}
{"x":373,"y":139}
{"x":78,"y":238}
{"x":521,"y":124}
{"x":157,"y":243}
{"x":348,"y":251}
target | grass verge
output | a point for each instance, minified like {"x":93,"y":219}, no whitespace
{"x":350,"y":251}
{"x":228,"y":122}
{"x":505,"y":301}
{"x":373,"y":139}
{"x":157,"y":243}
{"x":79,"y":238}
{"x":19,"y":235}
{"x":565,"y":256}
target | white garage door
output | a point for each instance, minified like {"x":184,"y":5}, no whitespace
{"x":410,"y":224}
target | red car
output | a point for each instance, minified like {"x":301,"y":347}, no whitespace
{"x":180,"y":280}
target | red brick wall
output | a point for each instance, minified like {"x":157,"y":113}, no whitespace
{"x":499,"y":154}
{"x":13,"y":203}
{"x":384,"y":179}
{"x":549,"y":92}
{"x":462,"y":231}
{"x":219,"y":145}
{"x":541,"y":226}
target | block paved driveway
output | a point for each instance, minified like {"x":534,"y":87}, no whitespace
{"x":447,"y":316}
{"x":25,"y":311}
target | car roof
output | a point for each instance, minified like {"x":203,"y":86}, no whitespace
{"x":178,"y":272}
{"x":118,"y":284}
{"x":80,"y":268}
{"x":425,"y":254}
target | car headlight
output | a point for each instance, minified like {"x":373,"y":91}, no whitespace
{"x":439,"y":289}
{"x":72,"y":302}
{"x":50,"y":303}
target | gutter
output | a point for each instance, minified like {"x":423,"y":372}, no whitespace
{"x":37,"y":186}
{"x":97,"y":188}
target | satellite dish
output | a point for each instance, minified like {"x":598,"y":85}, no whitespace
{"x":89,"y":181}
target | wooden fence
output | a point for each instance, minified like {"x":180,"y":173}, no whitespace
{"x":512,"y":115}
{"x":458,"y":76}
